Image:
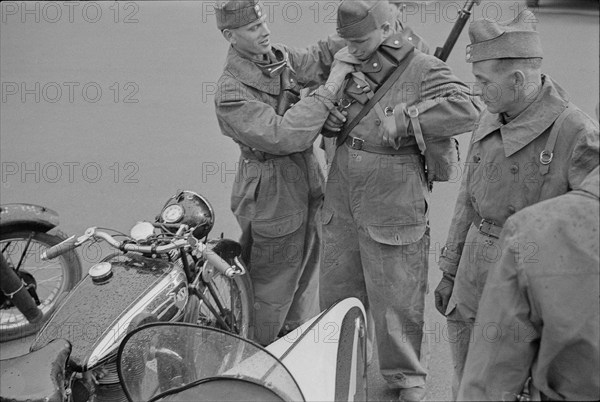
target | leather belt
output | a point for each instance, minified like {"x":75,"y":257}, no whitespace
{"x":487,"y":227}
{"x":361,"y":145}
{"x":256,"y":155}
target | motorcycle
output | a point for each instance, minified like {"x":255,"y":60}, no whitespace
{"x":165,"y":271}
{"x":31,"y":288}
{"x":323,"y":360}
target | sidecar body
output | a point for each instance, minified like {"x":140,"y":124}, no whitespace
{"x":322,"y":360}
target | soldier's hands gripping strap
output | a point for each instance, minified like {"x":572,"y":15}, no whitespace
{"x":443,"y":291}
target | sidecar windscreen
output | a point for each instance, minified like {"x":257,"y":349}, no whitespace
{"x":222,"y":389}
{"x":166,"y":361}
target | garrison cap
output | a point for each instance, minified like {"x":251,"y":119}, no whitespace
{"x":357,"y":18}
{"x":233,"y":14}
{"x":516,"y":39}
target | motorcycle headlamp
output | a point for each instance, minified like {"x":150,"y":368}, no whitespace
{"x":189,"y":208}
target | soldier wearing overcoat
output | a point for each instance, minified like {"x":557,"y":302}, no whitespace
{"x":543,"y":309}
{"x":277,"y":192}
{"x":530,"y":144}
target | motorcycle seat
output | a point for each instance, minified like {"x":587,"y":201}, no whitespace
{"x":36,"y":376}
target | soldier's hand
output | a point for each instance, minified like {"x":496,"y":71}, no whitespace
{"x":443,"y":293}
{"x":339,"y":71}
{"x":335,"y":121}
{"x":391,"y":138}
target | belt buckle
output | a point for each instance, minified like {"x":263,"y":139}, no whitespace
{"x":485,"y":227}
{"x":357,"y":143}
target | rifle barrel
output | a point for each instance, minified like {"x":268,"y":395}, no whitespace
{"x":443,"y":53}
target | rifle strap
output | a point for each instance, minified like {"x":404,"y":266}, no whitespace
{"x":376,"y":98}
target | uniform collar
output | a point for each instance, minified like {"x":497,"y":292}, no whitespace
{"x":528,"y":125}
{"x":394,"y":44}
{"x":254,"y":75}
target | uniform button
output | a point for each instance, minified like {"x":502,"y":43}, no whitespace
{"x":476,"y":158}
{"x":377,"y":122}
{"x":375,"y":64}
{"x":396,"y":42}
{"x":410,"y":38}
{"x":514,"y":169}
{"x":511,"y":209}
{"x":291,"y":80}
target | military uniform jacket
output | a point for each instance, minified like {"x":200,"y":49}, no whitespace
{"x":542,"y":309}
{"x":278,"y":174}
{"x":443,"y":101}
{"x":503,"y":175}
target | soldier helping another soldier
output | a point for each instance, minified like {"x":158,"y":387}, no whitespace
{"x":278,"y":187}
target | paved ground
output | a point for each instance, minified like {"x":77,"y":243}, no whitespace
{"x":107,"y":110}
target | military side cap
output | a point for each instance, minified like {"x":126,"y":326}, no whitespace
{"x":237,"y":13}
{"x":516,"y":39}
{"x":357,"y":18}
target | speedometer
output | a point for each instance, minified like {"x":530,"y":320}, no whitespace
{"x":172,"y":213}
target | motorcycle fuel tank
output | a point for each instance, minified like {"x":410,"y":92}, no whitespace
{"x":104,"y":306}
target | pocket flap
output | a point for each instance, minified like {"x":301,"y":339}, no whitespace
{"x":396,"y":235}
{"x":278,"y":227}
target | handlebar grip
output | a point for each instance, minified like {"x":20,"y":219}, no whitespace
{"x":220,"y":264}
{"x":60,"y":248}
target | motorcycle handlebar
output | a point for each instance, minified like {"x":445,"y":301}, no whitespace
{"x":72,"y":242}
{"x":60,"y":248}
{"x":220,"y":264}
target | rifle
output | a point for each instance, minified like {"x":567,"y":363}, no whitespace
{"x":442,"y":53}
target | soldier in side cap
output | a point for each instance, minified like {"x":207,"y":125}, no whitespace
{"x":530,"y":144}
{"x":375,"y":225}
{"x":545,"y":309}
{"x":408,"y":35}
{"x":278,"y":187}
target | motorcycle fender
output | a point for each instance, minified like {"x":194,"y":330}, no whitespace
{"x":30,"y":216}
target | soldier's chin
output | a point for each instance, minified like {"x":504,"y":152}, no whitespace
{"x":491,"y":107}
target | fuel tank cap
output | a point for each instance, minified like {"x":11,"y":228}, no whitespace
{"x":101,"y":271}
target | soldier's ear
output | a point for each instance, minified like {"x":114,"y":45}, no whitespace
{"x":228,"y":35}
{"x":519,"y":78}
{"x":387,"y":29}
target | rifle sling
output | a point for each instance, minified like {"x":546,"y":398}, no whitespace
{"x":376,"y":98}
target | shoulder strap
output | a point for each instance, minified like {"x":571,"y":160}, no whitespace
{"x":548,"y":153}
{"x":378,"y":95}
